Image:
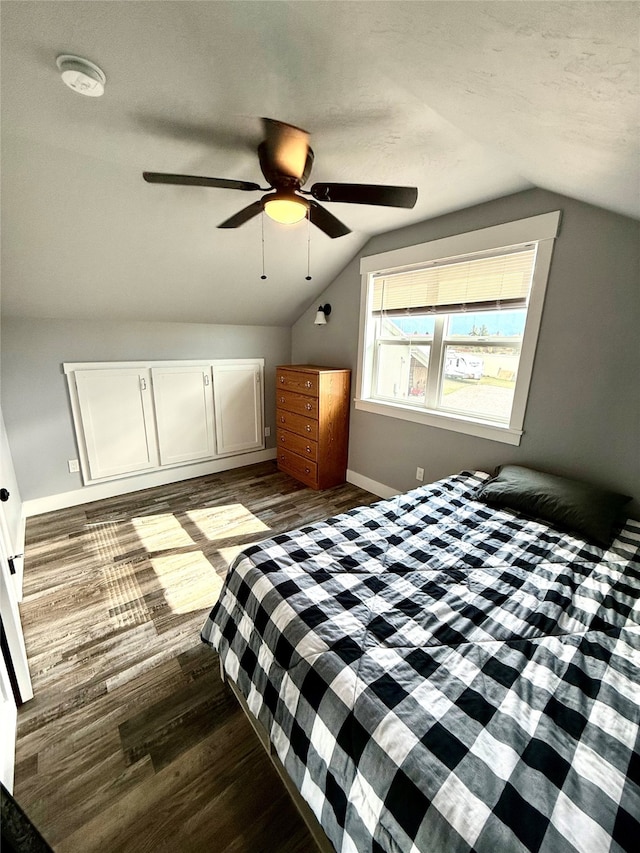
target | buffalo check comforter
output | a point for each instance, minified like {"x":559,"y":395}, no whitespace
{"x":438,"y":676}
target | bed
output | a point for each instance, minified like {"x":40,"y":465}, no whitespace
{"x":438,"y":674}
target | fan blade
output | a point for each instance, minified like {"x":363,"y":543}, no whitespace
{"x":287,"y":147}
{"x":326,"y":221}
{"x":242,"y":216}
{"x":197,"y":181}
{"x":366,"y":194}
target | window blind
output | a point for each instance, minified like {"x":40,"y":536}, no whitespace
{"x":480,"y":284}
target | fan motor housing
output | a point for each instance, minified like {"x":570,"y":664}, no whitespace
{"x":278,"y":179}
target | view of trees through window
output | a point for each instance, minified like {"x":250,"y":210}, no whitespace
{"x":462,"y":363}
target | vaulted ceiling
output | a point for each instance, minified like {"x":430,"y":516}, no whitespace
{"x":468,"y":101}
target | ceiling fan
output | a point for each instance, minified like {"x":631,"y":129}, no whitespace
{"x":285,"y":161}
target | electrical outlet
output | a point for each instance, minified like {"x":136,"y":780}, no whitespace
{"x":267,"y":432}
{"x":420,"y":474}
{"x":74,"y":466}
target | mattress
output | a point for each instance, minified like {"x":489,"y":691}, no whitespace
{"x":438,"y":675}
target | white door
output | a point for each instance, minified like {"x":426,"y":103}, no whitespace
{"x":8,"y":725}
{"x":237,"y":396}
{"x":11,"y":562}
{"x":12,"y":627}
{"x":118,"y":425}
{"x":183,"y":402}
{"x":16,"y":662}
{"x":12,"y":522}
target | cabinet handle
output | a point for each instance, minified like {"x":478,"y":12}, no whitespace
{"x":143,"y":384}
{"x":206,"y":378}
{"x":308,"y":407}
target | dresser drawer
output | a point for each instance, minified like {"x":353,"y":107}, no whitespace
{"x":302,"y":469}
{"x":297,"y":403}
{"x":298,"y":380}
{"x":297,"y":444}
{"x":297,"y":423}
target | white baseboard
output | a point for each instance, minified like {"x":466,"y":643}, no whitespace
{"x":98,"y":491}
{"x":371,"y":485}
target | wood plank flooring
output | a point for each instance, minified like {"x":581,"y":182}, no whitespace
{"x":132,"y":743}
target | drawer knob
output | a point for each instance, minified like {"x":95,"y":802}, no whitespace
{"x":282,"y":439}
{"x":281,"y":399}
{"x":282,"y":419}
{"x":308,"y":407}
{"x":282,"y":379}
{"x":307,"y":470}
{"x":308,"y":449}
{"x":308,"y":383}
{"x":308,"y":427}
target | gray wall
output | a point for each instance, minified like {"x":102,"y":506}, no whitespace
{"x":35,"y":400}
{"x":583,"y":415}
{"x":584,"y":404}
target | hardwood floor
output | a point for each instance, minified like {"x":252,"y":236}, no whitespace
{"x":132,"y":743}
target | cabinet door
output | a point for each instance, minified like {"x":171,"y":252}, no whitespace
{"x":117,"y":420}
{"x":237,"y":394}
{"x":184,"y":413}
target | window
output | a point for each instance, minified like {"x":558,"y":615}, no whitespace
{"x":449,"y":328}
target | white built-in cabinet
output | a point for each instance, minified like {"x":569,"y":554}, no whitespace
{"x":134,"y":418}
{"x":184,"y":413}
{"x":116,"y":421}
{"x":238,"y":395}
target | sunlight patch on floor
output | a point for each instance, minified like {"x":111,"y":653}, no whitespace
{"x":126,"y":601}
{"x":104,"y":539}
{"x":222,"y":522}
{"x":188,"y":580}
{"x":161,"y":532}
{"x":229,"y":554}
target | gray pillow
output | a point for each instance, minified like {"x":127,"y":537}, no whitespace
{"x":568,"y":504}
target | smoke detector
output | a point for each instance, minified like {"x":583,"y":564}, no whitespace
{"x":82,"y":76}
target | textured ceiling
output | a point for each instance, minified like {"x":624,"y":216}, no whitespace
{"x":466,"y":101}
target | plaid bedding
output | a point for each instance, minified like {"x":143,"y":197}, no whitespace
{"x":439,"y":676}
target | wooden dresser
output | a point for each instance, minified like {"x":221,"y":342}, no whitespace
{"x":312,"y":419}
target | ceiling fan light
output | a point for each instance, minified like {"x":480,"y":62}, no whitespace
{"x":286,"y":209}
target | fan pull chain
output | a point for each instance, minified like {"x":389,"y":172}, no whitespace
{"x":263,"y":276}
{"x":308,"y":275}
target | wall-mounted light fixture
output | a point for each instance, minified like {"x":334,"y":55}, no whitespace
{"x":322,"y":314}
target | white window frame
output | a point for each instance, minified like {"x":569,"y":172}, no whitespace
{"x":542,"y":230}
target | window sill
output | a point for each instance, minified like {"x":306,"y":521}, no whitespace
{"x":481,"y":429}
